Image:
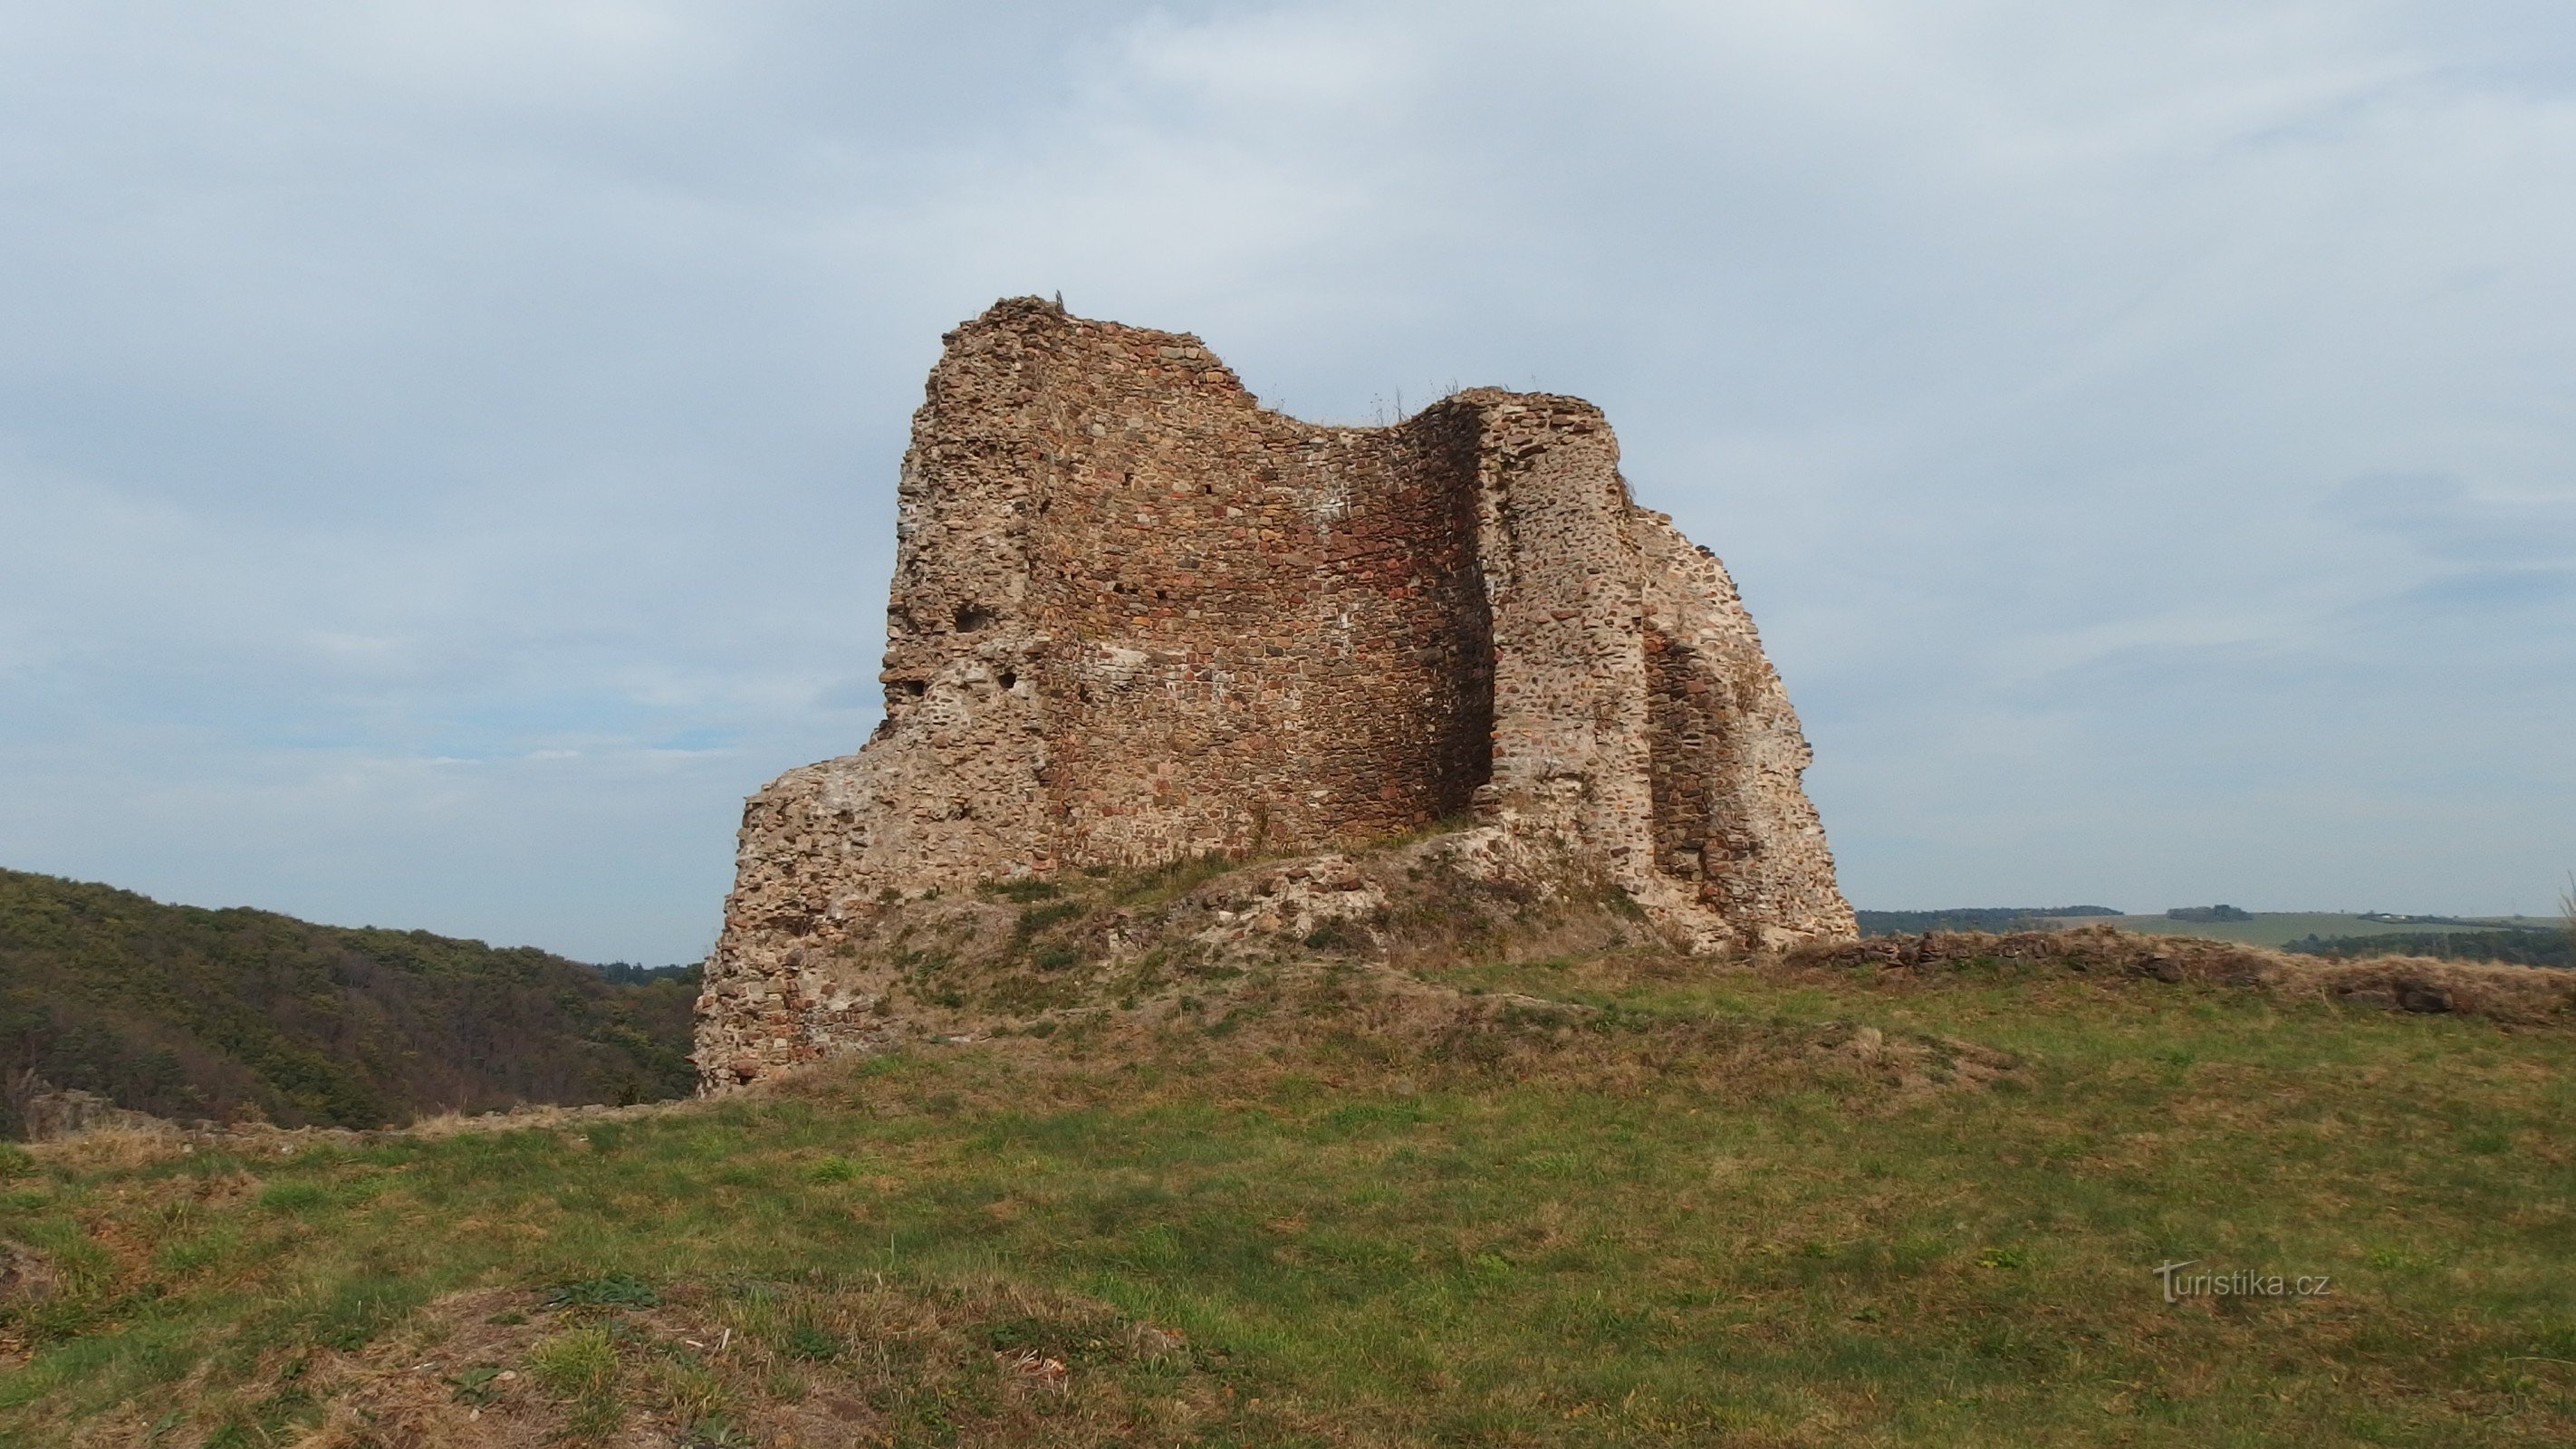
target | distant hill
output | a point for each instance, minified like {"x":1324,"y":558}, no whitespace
{"x":191,"y":1013}
{"x":1971,"y":918}
{"x":2335,"y":931}
{"x":2519,"y":947}
{"x":2518,"y":940}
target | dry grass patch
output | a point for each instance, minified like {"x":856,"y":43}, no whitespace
{"x":864,"y":1362}
{"x":2404,"y":983}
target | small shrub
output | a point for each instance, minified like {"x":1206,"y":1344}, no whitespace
{"x":581,"y":1364}
{"x":832,"y":1169}
{"x":478,"y":1385}
{"x":811,"y":1342}
{"x":1038,"y":918}
{"x":1023,"y":1334}
{"x":1178,"y":878}
{"x":1022,"y":891}
{"x":1338,"y":936}
{"x":694,"y":1395}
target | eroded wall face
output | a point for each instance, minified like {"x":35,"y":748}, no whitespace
{"x":1136,"y":617}
{"x":1731,"y":820}
{"x":1258,"y":634}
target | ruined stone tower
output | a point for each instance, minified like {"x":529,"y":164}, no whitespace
{"x":1137,"y":617}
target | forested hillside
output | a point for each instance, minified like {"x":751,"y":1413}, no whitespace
{"x":192,"y":1013}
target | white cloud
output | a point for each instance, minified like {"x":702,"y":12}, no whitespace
{"x":412,"y":398}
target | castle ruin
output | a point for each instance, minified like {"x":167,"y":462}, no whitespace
{"x":1136,"y":617}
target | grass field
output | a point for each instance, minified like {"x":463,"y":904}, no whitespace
{"x":1708,"y":1211}
{"x":2279,"y":928}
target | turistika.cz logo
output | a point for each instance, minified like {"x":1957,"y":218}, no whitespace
{"x":2180,"y":1285}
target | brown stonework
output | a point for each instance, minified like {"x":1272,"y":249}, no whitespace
{"x":1137,"y":617}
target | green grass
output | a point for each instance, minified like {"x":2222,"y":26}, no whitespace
{"x":2279,"y":928}
{"x":1593,"y":1238}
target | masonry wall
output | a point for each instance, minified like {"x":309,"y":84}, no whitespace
{"x":1136,"y":617}
{"x":1731,"y":821}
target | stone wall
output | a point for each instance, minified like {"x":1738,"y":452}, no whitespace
{"x":1136,"y":617}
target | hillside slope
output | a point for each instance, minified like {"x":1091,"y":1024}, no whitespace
{"x":190,"y":1013}
{"x":1174,"y":1160}
{"x":1545,"y":1202}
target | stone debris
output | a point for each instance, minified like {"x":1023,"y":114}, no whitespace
{"x":1137,"y":618}
{"x":1297,"y":901}
{"x":50,"y":1113}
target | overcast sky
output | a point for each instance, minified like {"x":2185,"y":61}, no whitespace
{"x":447,"y":450}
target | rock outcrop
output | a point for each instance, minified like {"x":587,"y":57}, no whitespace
{"x":1137,"y":618}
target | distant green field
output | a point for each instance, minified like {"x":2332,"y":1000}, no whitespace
{"x":2279,"y":928}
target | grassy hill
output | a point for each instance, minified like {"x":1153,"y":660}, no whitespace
{"x":190,"y":1013}
{"x":1484,"y":1168}
{"x":2529,"y":940}
{"x":2279,"y":928}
